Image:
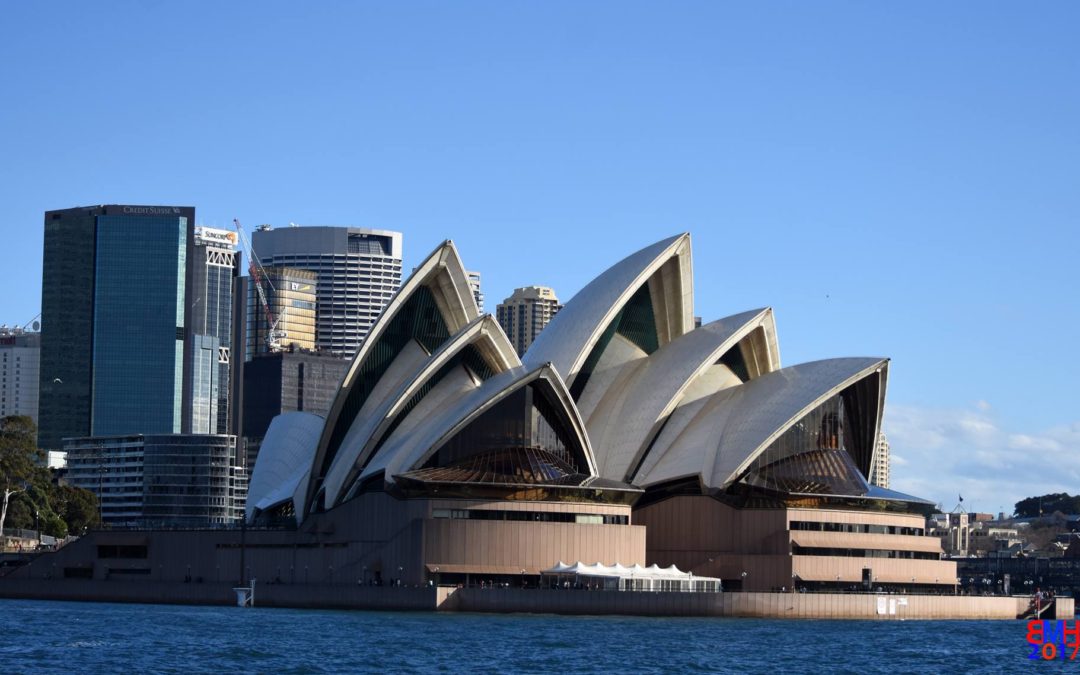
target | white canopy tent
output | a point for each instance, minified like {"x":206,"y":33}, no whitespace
{"x":635,"y":578}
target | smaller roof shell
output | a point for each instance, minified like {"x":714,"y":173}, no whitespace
{"x":736,"y":425}
{"x":284,"y":461}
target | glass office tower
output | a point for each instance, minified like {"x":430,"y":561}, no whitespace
{"x":67,"y":311}
{"x":113,"y":321}
{"x":138,"y":352}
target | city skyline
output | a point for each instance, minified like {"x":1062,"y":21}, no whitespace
{"x":892,"y":184}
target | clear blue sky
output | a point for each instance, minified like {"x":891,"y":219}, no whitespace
{"x":894,"y":179}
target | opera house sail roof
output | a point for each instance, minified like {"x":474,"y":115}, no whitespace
{"x":620,"y":394}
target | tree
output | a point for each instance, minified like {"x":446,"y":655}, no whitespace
{"x":1034,"y":507}
{"x":18,"y":449}
{"x":35,"y":507}
{"x":76,"y":506}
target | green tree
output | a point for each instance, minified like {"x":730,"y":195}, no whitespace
{"x":18,"y":449}
{"x":1034,"y":507}
{"x":34,"y":508}
{"x":77,"y":507}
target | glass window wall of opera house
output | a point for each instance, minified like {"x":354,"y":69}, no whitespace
{"x":626,"y":435}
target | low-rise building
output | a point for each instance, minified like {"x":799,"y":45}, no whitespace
{"x":954,"y":531}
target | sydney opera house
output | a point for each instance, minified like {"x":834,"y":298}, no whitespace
{"x":624,"y":435}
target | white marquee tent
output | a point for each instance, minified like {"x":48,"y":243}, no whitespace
{"x":636,"y":578}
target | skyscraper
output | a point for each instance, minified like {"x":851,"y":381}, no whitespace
{"x":211,"y":272}
{"x":525,"y":313}
{"x":357,"y":269}
{"x":137,"y":323}
{"x":291,"y":298}
{"x":20,"y":354}
{"x":136,"y":361}
{"x":113,"y":312}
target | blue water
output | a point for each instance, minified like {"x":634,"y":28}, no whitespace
{"x":61,"y":637}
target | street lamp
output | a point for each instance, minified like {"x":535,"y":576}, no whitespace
{"x":742,"y":587}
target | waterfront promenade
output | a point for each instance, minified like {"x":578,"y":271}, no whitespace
{"x":869,"y":606}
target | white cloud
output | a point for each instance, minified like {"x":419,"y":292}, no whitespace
{"x":941,"y":454}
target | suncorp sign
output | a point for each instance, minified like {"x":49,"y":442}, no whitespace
{"x":208,"y":235}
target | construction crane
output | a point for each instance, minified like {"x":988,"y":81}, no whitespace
{"x":258,"y":275}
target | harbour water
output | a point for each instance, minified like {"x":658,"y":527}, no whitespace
{"x":42,"y":636}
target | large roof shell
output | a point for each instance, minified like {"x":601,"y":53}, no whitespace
{"x":570,"y":337}
{"x":726,"y":432}
{"x":443,"y":274}
{"x":409,"y":448}
{"x":484,"y":334}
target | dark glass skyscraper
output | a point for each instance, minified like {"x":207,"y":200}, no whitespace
{"x":114,"y":318}
{"x":138,"y":338}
